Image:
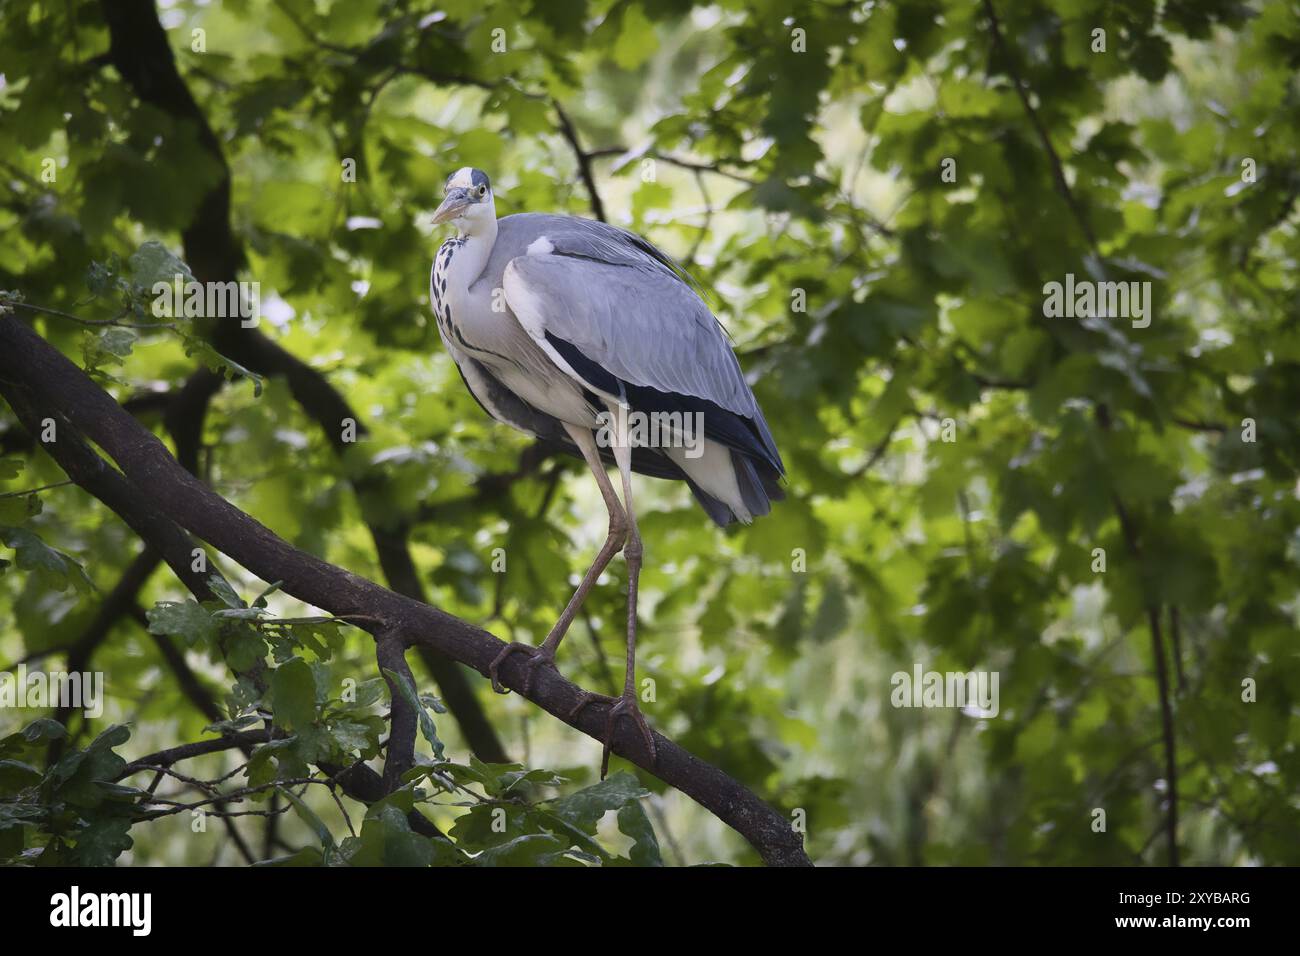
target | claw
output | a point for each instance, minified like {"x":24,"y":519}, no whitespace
{"x":537,"y":656}
{"x":620,"y":706}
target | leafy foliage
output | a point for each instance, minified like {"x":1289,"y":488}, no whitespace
{"x":72,"y":814}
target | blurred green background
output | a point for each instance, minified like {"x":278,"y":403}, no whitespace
{"x":874,"y":195}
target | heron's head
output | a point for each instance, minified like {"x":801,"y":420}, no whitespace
{"x":468,"y":201}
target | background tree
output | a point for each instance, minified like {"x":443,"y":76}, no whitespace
{"x":876,"y":195}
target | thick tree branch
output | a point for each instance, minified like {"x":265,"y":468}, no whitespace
{"x":243,"y":740}
{"x":160,"y":534}
{"x":28,"y":362}
{"x":184,"y":413}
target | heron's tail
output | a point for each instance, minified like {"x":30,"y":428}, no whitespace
{"x":730,"y":485}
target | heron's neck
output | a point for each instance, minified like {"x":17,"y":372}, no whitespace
{"x":467,"y":265}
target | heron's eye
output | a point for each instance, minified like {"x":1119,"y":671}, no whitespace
{"x":482,"y":191}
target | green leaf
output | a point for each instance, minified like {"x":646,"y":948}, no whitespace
{"x":53,"y":567}
{"x":222,"y":589}
{"x":188,"y":620}
{"x":102,"y":841}
{"x":260,"y":600}
{"x":386,"y":839}
{"x":309,"y":817}
{"x":84,"y":777}
{"x":217,"y":362}
{"x":293,"y":695}
{"x":245,"y":647}
{"x":636,"y":39}
{"x":633,"y":822}
{"x":16,"y":510}
{"x":36,"y":734}
{"x":427,"y":728}
{"x":307,"y":856}
{"x":585,"y":808}
{"x":152,"y":263}
{"x":530,"y":849}
{"x":349,"y":735}
{"x":233,"y":726}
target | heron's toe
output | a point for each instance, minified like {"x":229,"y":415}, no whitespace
{"x":536,"y":656}
{"x":623,"y":706}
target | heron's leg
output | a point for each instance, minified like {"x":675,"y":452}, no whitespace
{"x":626,"y":704}
{"x":613,"y":541}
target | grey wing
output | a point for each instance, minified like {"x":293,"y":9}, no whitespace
{"x":612,"y":311}
{"x":507,"y":408}
{"x":641,"y":326}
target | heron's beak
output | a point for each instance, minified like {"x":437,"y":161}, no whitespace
{"x":456,"y":202}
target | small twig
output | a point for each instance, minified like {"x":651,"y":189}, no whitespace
{"x":32,"y":491}
{"x":235,"y":796}
{"x":1176,"y":641}
{"x":1197,"y":426}
{"x":570,"y":134}
{"x":1129,"y":529}
{"x":92,"y":323}
{"x":704,"y":226}
{"x":671,"y":160}
{"x":1058,"y":168}
{"x":343,"y":810}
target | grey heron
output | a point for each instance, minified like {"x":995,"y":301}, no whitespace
{"x":569,"y":329}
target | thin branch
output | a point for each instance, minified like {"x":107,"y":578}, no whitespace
{"x":234,"y":796}
{"x":1176,"y":646}
{"x":1129,"y":529}
{"x":677,"y":161}
{"x":570,"y":135}
{"x":33,"y":491}
{"x":1022,"y":91}
{"x":92,"y":323}
{"x":1198,"y":426}
{"x":704,"y":226}
{"x":172,"y":755}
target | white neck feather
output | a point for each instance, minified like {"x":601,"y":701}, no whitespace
{"x":468,"y":262}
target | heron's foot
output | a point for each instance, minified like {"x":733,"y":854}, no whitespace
{"x":537,"y":657}
{"x":619,"y":707}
